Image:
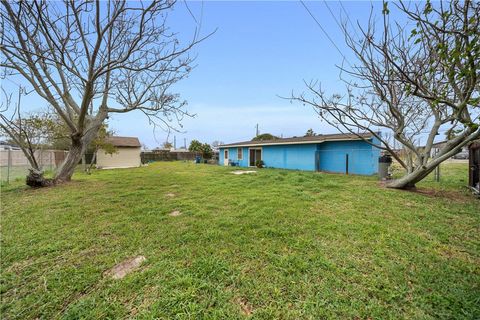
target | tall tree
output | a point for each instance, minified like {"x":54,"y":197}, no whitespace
{"x":413,"y":82}
{"x":91,"y":59}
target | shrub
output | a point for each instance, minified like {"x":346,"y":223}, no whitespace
{"x":260,"y":163}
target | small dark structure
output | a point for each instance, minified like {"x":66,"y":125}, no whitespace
{"x":474,"y":166}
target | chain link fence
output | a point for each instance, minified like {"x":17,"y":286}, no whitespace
{"x":14,"y":164}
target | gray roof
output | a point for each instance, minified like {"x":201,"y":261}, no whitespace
{"x":302,"y":140}
{"x":124,"y":141}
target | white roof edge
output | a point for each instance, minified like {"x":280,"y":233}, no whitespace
{"x":281,"y":143}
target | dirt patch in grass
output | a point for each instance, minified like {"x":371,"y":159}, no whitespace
{"x":243,"y":171}
{"x":244,"y":306}
{"x":450,"y":195}
{"x":453,"y":195}
{"x":170,"y":195}
{"x":122,"y":269}
{"x":175,"y":213}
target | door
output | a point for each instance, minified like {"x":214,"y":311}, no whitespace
{"x":254,"y":156}
{"x":225,"y":157}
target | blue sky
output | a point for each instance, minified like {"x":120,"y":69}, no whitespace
{"x":260,"y":51}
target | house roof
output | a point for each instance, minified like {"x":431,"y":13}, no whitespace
{"x":124,"y":141}
{"x":301,"y":140}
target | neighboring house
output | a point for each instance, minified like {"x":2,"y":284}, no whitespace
{"x":126,"y":155}
{"x":342,"y":153}
{"x":436,"y":147}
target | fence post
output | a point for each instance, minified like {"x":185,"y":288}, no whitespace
{"x":437,"y":169}
{"x":9,"y":163}
{"x":346,"y":164}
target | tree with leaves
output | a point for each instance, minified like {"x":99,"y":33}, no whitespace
{"x":413,"y":81}
{"x":204,"y":149}
{"x":265,"y":136}
{"x":30,"y":133}
{"x":195,"y":146}
{"x":207,"y":151}
{"x":92,"y":59}
{"x":310,"y":133}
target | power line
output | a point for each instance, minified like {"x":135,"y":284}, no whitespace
{"x":348,"y":18}
{"x":331,"y":13}
{"x":325,"y":32}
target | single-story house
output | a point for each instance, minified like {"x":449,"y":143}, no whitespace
{"x":342,"y":153}
{"x":126,"y":155}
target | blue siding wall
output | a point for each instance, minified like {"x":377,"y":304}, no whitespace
{"x":290,"y":156}
{"x":362,"y":157}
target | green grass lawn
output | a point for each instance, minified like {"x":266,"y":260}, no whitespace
{"x":273,"y":245}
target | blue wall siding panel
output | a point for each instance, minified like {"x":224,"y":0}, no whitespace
{"x":297,"y":157}
{"x":362,"y":157}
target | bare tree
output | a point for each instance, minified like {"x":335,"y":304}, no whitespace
{"x":216,"y":143}
{"x":412,"y":83}
{"x":89,"y":59}
{"x":30,"y":132}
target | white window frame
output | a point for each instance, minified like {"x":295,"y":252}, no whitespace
{"x":240,"y":154}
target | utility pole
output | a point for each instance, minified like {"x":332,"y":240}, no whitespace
{"x":256,"y":135}
{"x":174,"y":142}
{"x":185,"y":143}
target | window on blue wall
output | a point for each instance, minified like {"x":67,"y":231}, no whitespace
{"x":239,"y":154}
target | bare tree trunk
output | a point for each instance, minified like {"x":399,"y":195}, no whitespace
{"x":423,"y":169}
{"x":408,"y":181}
{"x":77,"y":149}
{"x":67,"y":168}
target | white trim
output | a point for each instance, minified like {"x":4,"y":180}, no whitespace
{"x":226,"y":153}
{"x":292,"y":142}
